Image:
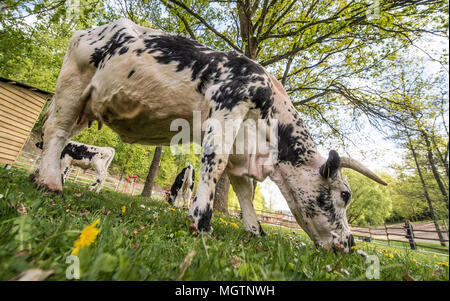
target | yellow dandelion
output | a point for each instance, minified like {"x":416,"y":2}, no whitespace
{"x":167,"y":203}
{"x":354,"y":248}
{"x":444,"y":263}
{"x":234,"y":225}
{"x":415,"y":260}
{"x":124,"y":209}
{"x":223,"y":221}
{"x":388,"y":255}
{"x":87,"y":237}
{"x":172,"y":209}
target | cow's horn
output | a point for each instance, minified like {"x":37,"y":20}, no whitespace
{"x":347,"y":162}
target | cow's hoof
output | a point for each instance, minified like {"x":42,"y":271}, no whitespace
{"x":256,"y":230}
{"x":34,"y":176}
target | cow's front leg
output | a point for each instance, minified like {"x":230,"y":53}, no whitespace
{"x":99,"y":181}
{"x":60,"y":125}
{"x":244,"y":189}
{"x":187,"y":196}
{"x":217,"y":145}
{"x":179,"y":198}
{"x":49,"y":176}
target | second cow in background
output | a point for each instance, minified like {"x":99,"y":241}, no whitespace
{"x":181,"y":190}
{"x":87,"y":157}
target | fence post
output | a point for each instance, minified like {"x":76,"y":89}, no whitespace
{"x":446,"y":226}
{"x":411,"y":241}
{"x":387,"y":234}
{"x":370,"y":234}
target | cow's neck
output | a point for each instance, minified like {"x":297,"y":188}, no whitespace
{"x":295,"y":145}
{"x":298,"y":158}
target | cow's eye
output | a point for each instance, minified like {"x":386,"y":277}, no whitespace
{"x":345,"y":195}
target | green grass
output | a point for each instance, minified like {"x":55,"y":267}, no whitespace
{"x":150,"y":243}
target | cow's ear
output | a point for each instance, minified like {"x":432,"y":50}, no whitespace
{"x":330,"y":168}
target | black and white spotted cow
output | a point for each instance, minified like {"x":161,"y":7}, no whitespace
{"x":86,"y":156}
{"x":138,"y":80}
{"x":181,"y":190}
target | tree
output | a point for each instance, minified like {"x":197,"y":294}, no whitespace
{"x":416,"y":106}
{"x":426,"y":194}
{"x":152,"y":173}
{"x":371,"y":204}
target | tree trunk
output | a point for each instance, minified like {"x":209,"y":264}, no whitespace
{"x":152,"y":173}
{"x":245,"y":13}
{"x":432,"y":164}
{"x":442,"y":161}
{"x":221,"y":196}
{"x":427,"y":196}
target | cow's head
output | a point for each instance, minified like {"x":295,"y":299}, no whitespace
{"x":318,"y":196}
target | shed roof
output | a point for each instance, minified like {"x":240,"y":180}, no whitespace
{"x":28,"y":87}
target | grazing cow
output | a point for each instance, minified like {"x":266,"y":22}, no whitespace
{"x":181,"y":190}
{"x":87,"y":157}
{"x":138,"y":80}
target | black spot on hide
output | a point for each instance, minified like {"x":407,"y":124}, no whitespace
{"x":104,"y":53}
{"x":290,"y":146}
{"x":131,"y":73}
{"x":178,"y":183}
{"x":205,"y":217}
{"x":77,"y":152}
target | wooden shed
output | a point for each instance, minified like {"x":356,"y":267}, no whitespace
{"x":20,"y":106}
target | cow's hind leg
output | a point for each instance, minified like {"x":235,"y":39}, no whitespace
{"x":101,"y":182}
{"x":244,"y":188}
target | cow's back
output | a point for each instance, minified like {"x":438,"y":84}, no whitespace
{"x":92,"y":48}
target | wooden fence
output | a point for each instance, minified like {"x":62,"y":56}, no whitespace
{"x":29,"y":162}
{"x":394,"y":233}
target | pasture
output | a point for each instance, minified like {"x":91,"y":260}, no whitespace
{"x":144,"y":239}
